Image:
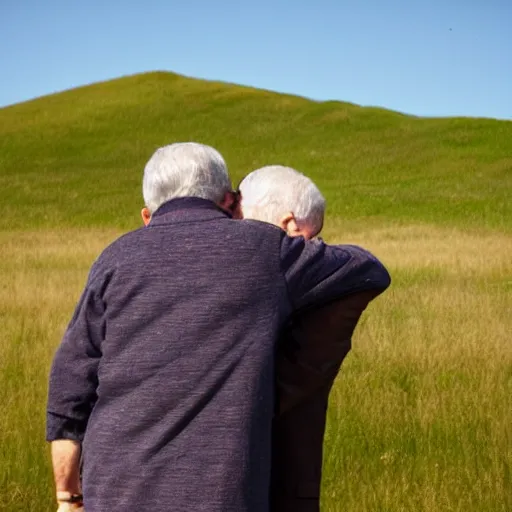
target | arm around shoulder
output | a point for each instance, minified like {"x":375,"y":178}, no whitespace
{"x":317,"y":273}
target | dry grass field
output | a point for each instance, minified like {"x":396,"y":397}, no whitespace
{"x":420,"y":417}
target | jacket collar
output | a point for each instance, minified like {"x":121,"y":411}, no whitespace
{"x":184,"y":209}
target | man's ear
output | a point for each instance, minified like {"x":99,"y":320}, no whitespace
{"x":146,"y":216}
{"x":289,"y":224}
{"x":229,"y":203}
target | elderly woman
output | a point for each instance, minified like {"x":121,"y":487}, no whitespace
{"x":312,"y":349}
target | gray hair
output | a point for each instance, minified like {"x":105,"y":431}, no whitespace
{"x":184,"y":169}
{"x":271,"y":192}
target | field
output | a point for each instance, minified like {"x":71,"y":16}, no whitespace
{"x":421,"y":415}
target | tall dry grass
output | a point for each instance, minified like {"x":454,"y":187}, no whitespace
{"x":41,"y":276}
{"x":421,"y":415}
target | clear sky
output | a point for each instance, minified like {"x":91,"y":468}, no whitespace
{"x":424,"y":57}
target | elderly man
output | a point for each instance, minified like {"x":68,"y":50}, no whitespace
{"x":165,"y":374}
{"x":313,"y":347}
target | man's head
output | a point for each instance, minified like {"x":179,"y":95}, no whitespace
{"x":185,"y":169}
{"x":284,"y":197}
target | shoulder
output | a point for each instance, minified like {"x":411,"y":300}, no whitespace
{"x":258,"y":226}
{"x":357,"y":252}
{"x":254,"y":231}
{"x":115,"y":253}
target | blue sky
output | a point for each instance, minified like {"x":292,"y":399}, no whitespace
{"x":433,"y":58}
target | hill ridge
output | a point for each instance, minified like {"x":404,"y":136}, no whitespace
{"x":75,"y":158}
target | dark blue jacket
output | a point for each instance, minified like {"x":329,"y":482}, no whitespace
{"x":166,"y":370}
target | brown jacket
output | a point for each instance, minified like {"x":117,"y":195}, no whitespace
{"x":307,"y":363}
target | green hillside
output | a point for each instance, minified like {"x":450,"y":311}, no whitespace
{"x":76,"y":158}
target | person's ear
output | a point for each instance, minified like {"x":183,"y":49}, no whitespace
{"x":146,"y":216}
{"x":289,"y":224}
{"x":229,"y":203}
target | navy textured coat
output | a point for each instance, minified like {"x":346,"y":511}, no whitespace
{"x":166,"y":370}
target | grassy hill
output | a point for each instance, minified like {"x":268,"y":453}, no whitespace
{"x":419,"y":418}
{"x":76,"y":158}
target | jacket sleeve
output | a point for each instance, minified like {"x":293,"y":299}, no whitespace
{"x":317,"y":274}
{"x":329,"y":286}
{"x":73,"y":375}
{"x":313,"y":348}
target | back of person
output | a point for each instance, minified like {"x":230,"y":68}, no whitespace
{"x":187,"y":358}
